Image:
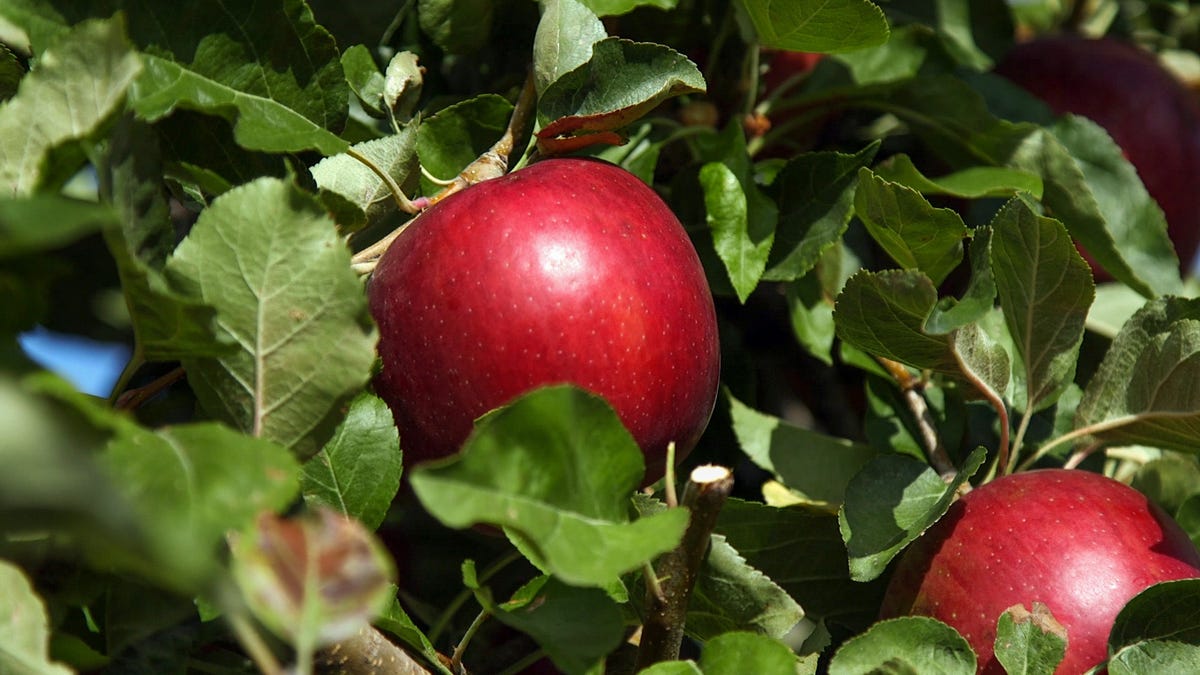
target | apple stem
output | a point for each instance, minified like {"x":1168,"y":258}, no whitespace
{"x":707,"y":489}
{"x":491,"y":164}
{"x":910,"y":389}
{"x":368,"y":652}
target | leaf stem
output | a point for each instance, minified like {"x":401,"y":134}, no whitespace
{"x":402,"y":201}
{"x":456,"y":658}
{"x":136,"y":361}
{"x":466,"y":594}
{"x":662,"y":630}
{"x":262,"y":656}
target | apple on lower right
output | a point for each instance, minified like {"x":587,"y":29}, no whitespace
{"x":1079,"y":542}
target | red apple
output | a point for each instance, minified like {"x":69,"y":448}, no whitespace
{"x":1149,"y":113}
{"x":1079,"y":542}
{"x":567,"y":271}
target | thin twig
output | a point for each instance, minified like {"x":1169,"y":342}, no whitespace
{"x":134,"y":398}
{"x":662,"y":630}
{"x":461,"y":649}
{"x":910,"y":389}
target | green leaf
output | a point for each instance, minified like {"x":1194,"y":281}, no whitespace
{"x":742,"y":234}
{"x":914,"y":233}
{"x":617,"y":7}
{"x":564,"y":39}
{"x":890,"y":503}
{"x":737,"y":653}
{"x":403,"y":81}
{"x":1045,"y":289}
{"x":270,"y":261}
{"x":457,"y":135}
{"x":395,"y":621}
{"x":11,"y":73}
{"x":553,"y":615}
{"x":971,"y":183}
{"x":556,"y":469}
{"x":817,"y":465}
{"x":817,"y":25}
{"x":884,"y":313}
{"x":457,"y":26}
{"x":900,"y":58}
{"x":801,"y":550}
{"x":47,"y":222}
{"x":908,"y":645}
{"x":620,"y":83}
{"x":1169,"y":480}
{"x":271,"y":71}
{"x":359,"y":195}
{"x":80,"y":82}
{"x":190,"y":484}
{"x":673,"y":668}
{"x":1093,"y":189}
{"x":358,"y":471}
{"x":816,"y":196}
{"x":730,"y":595}
{"x":1158,"y":631}
{"x":811,"y":315}
{"x":364,"y":79}
{"x":1143,"y":392}
{"x":24,"y":627}
{"x":1030,"y":643}
{"x":978,"y":300}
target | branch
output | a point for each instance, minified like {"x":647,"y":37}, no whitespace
{"x":910,"y":390}
{"x":662,"y":631}
{"x":367,"y":653}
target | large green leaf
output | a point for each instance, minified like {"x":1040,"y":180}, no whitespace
{"x":736,"y":653}
{"x":884,"y":313}
{"x":24,"y":627}
{"x":817,"y":25}
{"x":358,"y":471}
{"x":816,"y":195}
{"x":270,"y":261}
{"x":742,"y":234}
{"x":801,"y":550}
{"x":1096,"y":193}
{"x":354,"y":192}
{"x":890,"y":503}
{"x":80,"y":82}
{"x":1144,"y":391}
{"x":914,"y":233}
{"x":817,"y":465}
{"x":622,"y":81}
{"x":730,"y":595}
{"x":556,"y":469}
{"x":564,"y":39}
{"x":1045,"y":290}
{"x":909,"y":645}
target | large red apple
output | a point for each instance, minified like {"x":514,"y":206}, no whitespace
{"x":1148,"y":112}
{"x":1079,"y":542}
{"x":567,"y":271}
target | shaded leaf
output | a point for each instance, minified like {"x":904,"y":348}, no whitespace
{"x":270,"y":261}
{"x":971,"y":183}
{"x":1030,"y":643}
{"x":1144,"y":392}
{"x":801,"y":550}
{"x":551,"y":616}
{"x":1158,"y":630}
{"x":817,"y":25}
{"x":403,"y":80}
{"x":884,"y":313}
{"x":457,"y":135}
{"x":978,"y":300}
{"x":394,"y":620}
{"x":80,"y":82}
{"x":907,"y":645}
{"x":24,"y":627}
{"x":457,"y":26}
{"x":816,"y":195}
{"x":811,"y":315}
{"x":890,"y":503}
{"x":357,"y":473}
{"x":616,"y":7}
{"x":364,"y":79}
{"x":47,"y":222}
{"x":555,"y":468}
{"x":816,"y":465}
{"x":914,"y":233}
{"x":730,"y":595}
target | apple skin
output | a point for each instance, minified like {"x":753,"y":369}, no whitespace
{"x":1079,"y":542}
{"x":1148,"y":112}
{"x":570,"y":270}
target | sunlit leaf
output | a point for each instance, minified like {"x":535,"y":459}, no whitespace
{"x":907,"y":645}
{"x":1158,"y":631}
{"x":972,"y":183}
{"x":270,"y":261}
{"x":564,"y":39}
{"x":24,"y":627}
{"x":817,"y":25}
{"x":1030,"y":642}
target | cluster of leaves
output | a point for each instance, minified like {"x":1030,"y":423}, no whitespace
{"x":196,"y":180}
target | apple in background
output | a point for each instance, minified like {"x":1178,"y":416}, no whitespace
{"x":567,"y":271}
{"x":1079,"y":542}
{"x":1150,"y":114}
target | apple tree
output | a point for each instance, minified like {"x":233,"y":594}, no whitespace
{"x":601,"y":336}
